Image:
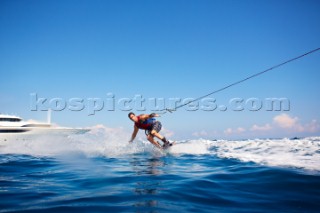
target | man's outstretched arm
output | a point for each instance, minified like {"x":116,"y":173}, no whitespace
{"x":134,"y":134}
{"x":146,"y":116}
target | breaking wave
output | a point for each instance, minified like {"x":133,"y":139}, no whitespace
{"x":109,"y":142}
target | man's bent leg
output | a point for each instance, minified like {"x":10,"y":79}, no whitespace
{"x":150,"y":138}
{"x":156,"y":134}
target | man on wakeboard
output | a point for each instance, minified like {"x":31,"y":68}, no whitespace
{"x":151,"y":126}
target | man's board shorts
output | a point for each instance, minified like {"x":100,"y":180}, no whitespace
{"x":155,"y":126}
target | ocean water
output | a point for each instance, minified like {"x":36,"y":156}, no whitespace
{"x":101,"y":172}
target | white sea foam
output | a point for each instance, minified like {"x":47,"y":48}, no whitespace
{"x":110,"y":142}
{"x":193,"y":147}
{"x":300,"y":153}
{"x":100,"y":141}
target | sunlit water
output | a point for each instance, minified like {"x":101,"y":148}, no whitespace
{"x":101,"y":172}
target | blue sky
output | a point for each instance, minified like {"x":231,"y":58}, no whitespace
{"x":164,"y":49}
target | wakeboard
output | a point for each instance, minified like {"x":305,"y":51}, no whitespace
{"x":167,"y":146}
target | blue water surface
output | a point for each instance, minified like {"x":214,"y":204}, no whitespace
{"x":148,"y":182}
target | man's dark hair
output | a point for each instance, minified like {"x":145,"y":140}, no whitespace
{"x":130,"y":113}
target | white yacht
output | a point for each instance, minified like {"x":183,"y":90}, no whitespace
{"x":16,"y":125}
